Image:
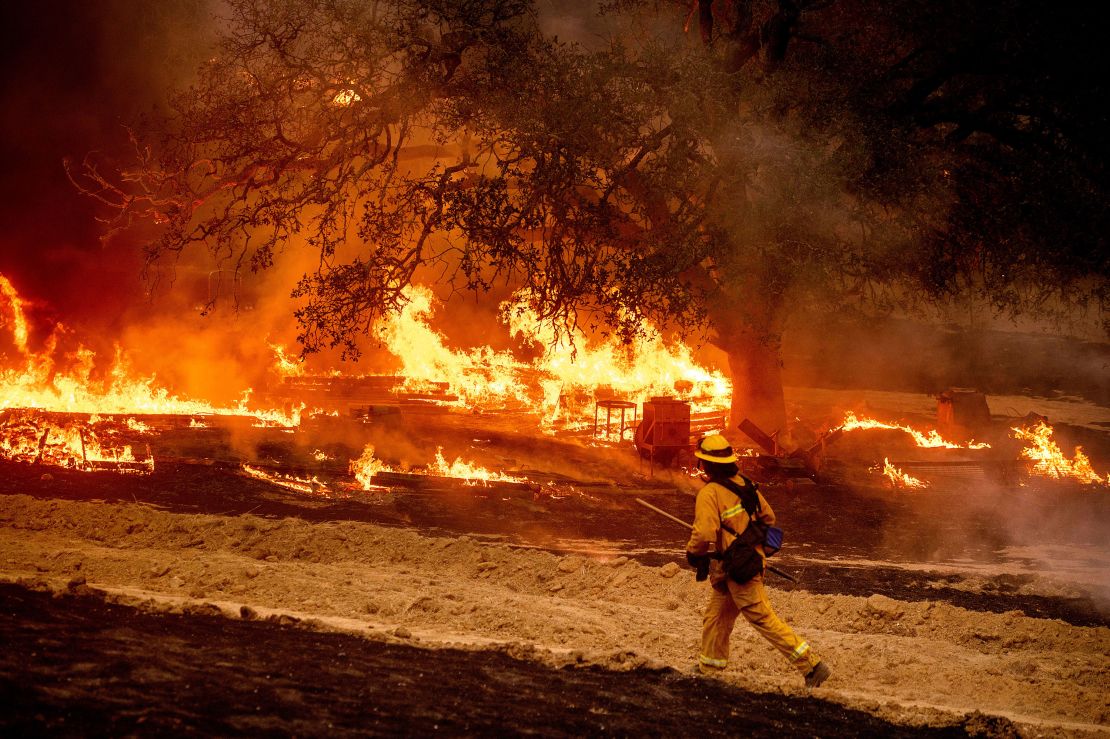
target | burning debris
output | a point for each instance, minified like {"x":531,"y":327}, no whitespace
{"x":73,"y":443}
{"x":899,"y":479}
{"x":373,"y":474}
{"x":1049,"y":461}
{"x":560,"y":386}
{"x":930,"y":440}
{"x":786,"y":462}
{"x":95,"y":420}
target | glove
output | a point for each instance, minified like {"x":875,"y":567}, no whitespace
{"x":700,"y":562}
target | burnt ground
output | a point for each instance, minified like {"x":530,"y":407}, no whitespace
{"x":76,"y":665}
{"x":81,"y":665}
{"x":842,"y":540}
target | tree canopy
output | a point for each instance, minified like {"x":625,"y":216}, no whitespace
{"x":780,"y":153}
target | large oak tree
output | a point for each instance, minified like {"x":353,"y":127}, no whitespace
{"x":777,"y":155}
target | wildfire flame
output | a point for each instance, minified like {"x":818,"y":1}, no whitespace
{"x":290,"y":482}
{"x":1049,"y":460}
{"x":901,"y":479}
{"x":467,"y":470}
{"x":485,"y":377}
{"x":286,"y":365}
{"x":931,"y":440}
{"x":66,"y":384}
{"x":366,"y":466}
{"x":18,"y":319}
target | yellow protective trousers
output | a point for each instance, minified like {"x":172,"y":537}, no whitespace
{"x":749,"y":599}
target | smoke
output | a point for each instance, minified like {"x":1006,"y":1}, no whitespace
{"x":1052,"y":535}
{"x":77,"y":76}
{"x":78,"y":71}
{"x":898,"y":354}
{"x":75,"y":73}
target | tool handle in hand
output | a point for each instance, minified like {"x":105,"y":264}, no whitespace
{"x":661,"y":512}
{"x":780,"y":573}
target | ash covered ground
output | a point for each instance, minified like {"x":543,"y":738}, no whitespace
{"x":199,"y":599}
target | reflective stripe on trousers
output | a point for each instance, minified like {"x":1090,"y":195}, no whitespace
{"x":749,"y":599}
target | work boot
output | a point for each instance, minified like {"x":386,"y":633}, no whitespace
{"x":817,"y":675}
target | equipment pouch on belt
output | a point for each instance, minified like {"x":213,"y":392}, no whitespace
{"x":741,"y":560}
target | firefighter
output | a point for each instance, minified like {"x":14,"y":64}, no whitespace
{"x":716,"y":504}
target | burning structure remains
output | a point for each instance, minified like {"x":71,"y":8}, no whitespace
{"x":58,"y":411}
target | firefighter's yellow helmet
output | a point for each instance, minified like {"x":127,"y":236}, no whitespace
{"x":715,"y":448}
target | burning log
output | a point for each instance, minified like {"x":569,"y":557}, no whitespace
{"x":287,"y":481}
{"x":352,"y":394}
{"x":1004,"y":472}
{"x":420,"y":482}
{"x":930,"y":440}
{"x":1049,"y":461}
{"x":372,"y":472}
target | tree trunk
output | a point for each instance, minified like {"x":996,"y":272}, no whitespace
{"x":755,"y":360}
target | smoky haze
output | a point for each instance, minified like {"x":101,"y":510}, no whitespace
{"x":75,"y":74}
{"x":78,"y":72}
{"x":78,"y":76}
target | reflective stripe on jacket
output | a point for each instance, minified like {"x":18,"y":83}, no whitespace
{"x":716,"y":503}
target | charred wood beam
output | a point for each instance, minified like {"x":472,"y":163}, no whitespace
{"x":433,"y":482}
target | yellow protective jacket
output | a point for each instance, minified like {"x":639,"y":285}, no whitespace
{"x":716,"y":503}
